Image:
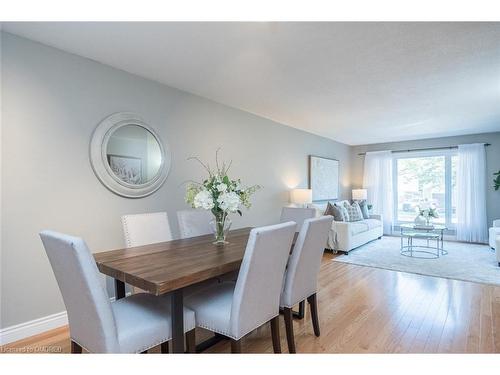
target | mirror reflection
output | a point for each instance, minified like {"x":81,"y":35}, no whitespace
{"x":134,"y":154}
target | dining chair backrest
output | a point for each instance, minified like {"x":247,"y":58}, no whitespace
{"x":305,"y":261}
{"x":194,"y":222}
{"x":91,"y":321}
{"x":145,"y":229}
{"x":260,"y":279}
{"x":297,"y":214}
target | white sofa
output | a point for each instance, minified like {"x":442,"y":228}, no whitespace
{"x":346,"y":236}
{"x":494,"y":233}
{"x":495,"y":238}
{"x":498,"y":250}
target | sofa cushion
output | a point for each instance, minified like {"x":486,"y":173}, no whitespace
{"x":345,"y":213}
{"x":357,"y":227}
{"x":372,"y":223}
{"x":354,"y":211}
{"x":363,"y":205}
{"x":334,"y":211}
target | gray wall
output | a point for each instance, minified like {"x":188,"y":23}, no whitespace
{"x":492,"y":160}
{"x":1,"y":158}
{"x":53,"y":101}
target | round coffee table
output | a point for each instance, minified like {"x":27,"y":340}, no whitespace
{"x":429,"y":234}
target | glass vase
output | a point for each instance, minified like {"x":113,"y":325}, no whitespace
{"x":220,"y":225}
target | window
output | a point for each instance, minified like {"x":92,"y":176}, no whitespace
{"x":425,"y":177}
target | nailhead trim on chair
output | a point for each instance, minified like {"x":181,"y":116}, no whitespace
{"x":231,"y":336}
{"x":126,"y":231}
{"x":216,"y":331}
{"x":138,"y":351}
{"x":152,"y":346}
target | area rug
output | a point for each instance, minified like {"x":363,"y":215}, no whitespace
{"x":467,"y":262}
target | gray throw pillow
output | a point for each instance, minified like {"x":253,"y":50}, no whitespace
{"x":335,"y":212}
{"x":364,"y":209}
{"x":344,"y":211}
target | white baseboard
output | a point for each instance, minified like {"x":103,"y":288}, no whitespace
{"x":35,"y":327}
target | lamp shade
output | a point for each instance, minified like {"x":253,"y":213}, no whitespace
{"x":301,"y":196}
{"x":359,"y":194}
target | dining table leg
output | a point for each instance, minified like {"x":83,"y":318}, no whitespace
{"x":119,"y":289}
{"x":177,"y":308}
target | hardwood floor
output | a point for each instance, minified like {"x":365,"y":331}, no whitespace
{"x":367,"y":310}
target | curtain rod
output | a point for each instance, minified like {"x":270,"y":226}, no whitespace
{"x":423,"y":149}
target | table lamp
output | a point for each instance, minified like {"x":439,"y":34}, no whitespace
{"x":301,"y":196}
{"x":359,"y":194}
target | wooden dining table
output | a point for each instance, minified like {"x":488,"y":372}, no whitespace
{"x":169,"y":267}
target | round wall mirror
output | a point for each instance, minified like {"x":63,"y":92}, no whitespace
{"x":128,"y":156}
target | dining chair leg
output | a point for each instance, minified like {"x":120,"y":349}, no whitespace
{"x":313,"y":303}
{"x":275,"y":334}
{"x":75,"y":348}
{"x":191,"y":341}
{"x":235,"y":346}
{"x":119,"y":289}
{"x":302,"y":310}
{"x":164,"y":347}
{"x":288,"y":314}
{"x":298,"y":314}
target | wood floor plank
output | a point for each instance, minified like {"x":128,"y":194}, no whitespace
{"x":464,"y":319}
{"x":417,"y":345}
{"x":365,"y":310}
{"x":496,"y":319}
{"x":401,"y":301}
{"x":473,"y":334}
{"x":486,"y":344}
{"x":395,"y":341}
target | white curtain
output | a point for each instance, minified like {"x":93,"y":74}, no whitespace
{"x":471,"y":193}
{"x":377,"y":179}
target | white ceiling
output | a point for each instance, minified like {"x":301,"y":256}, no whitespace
{"x":357,"y":83}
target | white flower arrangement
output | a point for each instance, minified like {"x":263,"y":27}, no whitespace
{"x":219,"y":194}
{"x":203,"y":199}
{"x":428,"y":210}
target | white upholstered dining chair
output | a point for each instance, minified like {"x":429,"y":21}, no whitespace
{"x":130,"y":325}
{"x":235,"y":309}
{"x":197,"y":223}
{"x":150,"y":228}
{"x":194,"y":222}
{"x":297,"y":214}
{"x":302,"y":273}
{"x":145,"y":229}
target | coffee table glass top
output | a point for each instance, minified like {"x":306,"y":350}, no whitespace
{"x":416,"y":227}
{"x":423,"y":235}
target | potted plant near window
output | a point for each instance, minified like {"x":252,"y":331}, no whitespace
{"x":496,"y":180}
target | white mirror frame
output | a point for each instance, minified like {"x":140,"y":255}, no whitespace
{"x":99,"y":160}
